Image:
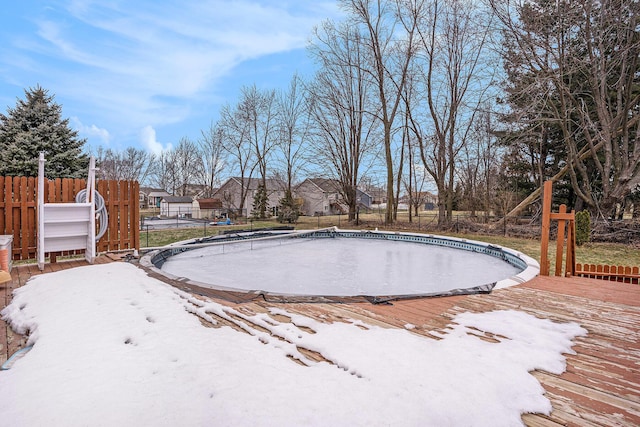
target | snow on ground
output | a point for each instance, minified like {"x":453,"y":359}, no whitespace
{"x":115,"y":347}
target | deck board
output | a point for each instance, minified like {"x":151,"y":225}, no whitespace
{"x":600,"y":387}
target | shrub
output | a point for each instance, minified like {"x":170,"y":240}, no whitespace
{"x":583,"y":227}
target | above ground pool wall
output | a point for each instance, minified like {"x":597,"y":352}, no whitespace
{"x":529,"y":268}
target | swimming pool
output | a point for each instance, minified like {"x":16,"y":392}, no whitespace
{"x":334,"y":263}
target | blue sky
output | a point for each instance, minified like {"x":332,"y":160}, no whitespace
{"x":145,"y":73}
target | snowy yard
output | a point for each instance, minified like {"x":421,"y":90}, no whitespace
{"x":115,"y":347}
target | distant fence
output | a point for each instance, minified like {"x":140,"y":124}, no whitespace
{"x":18,"y":205}
{"x":613,"y":273}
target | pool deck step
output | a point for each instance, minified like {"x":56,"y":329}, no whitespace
{"x":601,"y":386}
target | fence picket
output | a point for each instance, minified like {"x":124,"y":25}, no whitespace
{"x":124,"y":225}
{"x":619,"y":273}
{"x":2,"y":204}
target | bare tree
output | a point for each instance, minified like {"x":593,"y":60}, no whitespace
{"x":188,"y":166}
{"x":164,"y":172}
{"x":390,"y":28}
{"x":213,"y":155}
{"x":416,"y":179}
{"x":237,"y":143}
{"x":131,"y":164}
{"x":478,"y":167}
{"x":339,"y":98}
{"x":258,"y":110}
{"x":453,"y":37}
{"x":292,"y":130}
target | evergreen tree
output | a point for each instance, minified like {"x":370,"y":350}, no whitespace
{"x":260,"y":203}
{"x":573,"y":73}
{"x":289,"y":209}
{"x":35,"y":125}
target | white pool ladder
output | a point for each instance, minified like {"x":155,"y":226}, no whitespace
{"x":66,"y":226}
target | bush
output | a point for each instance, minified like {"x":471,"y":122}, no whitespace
{"x":289,"y":209}
{"x":583,"y":227}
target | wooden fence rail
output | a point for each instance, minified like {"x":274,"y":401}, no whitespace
{"x":612,"y":273}
{"x":18,"y":210}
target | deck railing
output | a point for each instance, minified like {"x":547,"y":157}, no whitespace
{"x":612,"y":273}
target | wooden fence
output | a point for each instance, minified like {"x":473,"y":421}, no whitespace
{"x":612,"y":273}
{"x":18,"y":206}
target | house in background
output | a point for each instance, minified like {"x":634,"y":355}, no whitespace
{"x":425,"y":200}
{"x":321,"y":197}
{"x":143,"y":199}
{"x":195,"y":191}
{"x":150,"y":197}
{"x":155,"y":196}
{"x":172,"y":206}
{"x":207,"y":208}
{"x":378,"y":195}
{"x":363,"y":199}
{"x":230,"y":194}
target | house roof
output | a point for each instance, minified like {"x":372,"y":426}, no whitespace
{"x":158,"y":193}
{"x":252,"y":183}
{"x":209,"y":203}
{"x":177,"y":199}
{"x":195,"y":189}
{"x":325,"y":184}
{"x":359,"y":192}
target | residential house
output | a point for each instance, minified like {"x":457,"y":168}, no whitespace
{"x":378,"y":195}
{"x":321,"y":196}
{"x":181,"y":206}
{"x":207,"y":208}
{"x":427,"y":199}
{"x":196,"y":191}
{"x":424,"y":199}
{"x":147,"y":193}
{"x":143,"y":199}
{"x":230,"y":194}
{"x":363,"y":199}
{"x":155,"y":196}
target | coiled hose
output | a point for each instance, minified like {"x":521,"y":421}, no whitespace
{"x":101,"y":210}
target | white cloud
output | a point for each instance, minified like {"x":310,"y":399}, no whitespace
{"x":132,"y":64}
{"x":149,"y":141}
{"x":91,"y":132}
{"x":173,"y":50}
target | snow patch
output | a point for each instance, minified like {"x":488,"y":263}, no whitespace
{"x":113,"y":346}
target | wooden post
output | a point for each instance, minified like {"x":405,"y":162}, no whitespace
{"x":570,"y":268}
{"x":546,"y":222}
{"x":560,"y":241}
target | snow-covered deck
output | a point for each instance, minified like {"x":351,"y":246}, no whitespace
{"x":601,"y":385}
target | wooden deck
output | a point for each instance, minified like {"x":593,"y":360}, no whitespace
{"x":601,"y":386}
{"x":10,"y":342}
